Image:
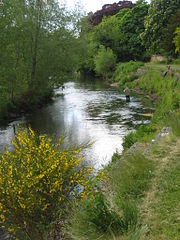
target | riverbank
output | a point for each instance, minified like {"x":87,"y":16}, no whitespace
{"x":140,"y":195}
{"x":149,"y":81}
{"x":26,"y":103}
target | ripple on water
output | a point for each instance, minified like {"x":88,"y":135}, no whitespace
{"x":85,"y":112}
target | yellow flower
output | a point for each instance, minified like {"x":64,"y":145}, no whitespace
{"x":2,"y":218}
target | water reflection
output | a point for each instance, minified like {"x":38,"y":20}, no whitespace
{"x":85,"y":112}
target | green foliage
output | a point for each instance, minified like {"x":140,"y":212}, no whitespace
{"x":167,"y":89}
{"x":163,"y":209}
{"x":95,"y":218}
{"x":121,"y":32}
{"x":130,"y":215}
{"x":115,"y":157}
{"x":104,"y":62}
{"x":35,"y":40}
{"x":143,"y":133}
{"x":106,"y":33}
{"x":106,"y":216}
{"x":159,"y":13}
{"x":177,"y":40}
{"x":131,"y":25}
{"x":168,"y":33}
{"x":151,"y":81}
{"x":89,"y":50}
{"x":126,"y":72}
{"x":129,"y":140}
{"x":131,"y":177}
{"x":176,"y":61}
{"x":173,"y":120}
{"x":38,"y":180}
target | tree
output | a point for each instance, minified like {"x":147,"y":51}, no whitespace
{"x":177,"y":39}
{"x":159,"y":13}
{"x":168,"y":33}
{"x":122,"y":31}
{"x":38,"y":46}
{"x":104,"y":62}
{"x":130,"y":29}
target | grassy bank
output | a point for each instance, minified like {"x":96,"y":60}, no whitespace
{"x":139,"y":197}
{"x":165,"y":91}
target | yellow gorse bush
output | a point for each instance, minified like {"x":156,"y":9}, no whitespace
{"x":37,"y":179}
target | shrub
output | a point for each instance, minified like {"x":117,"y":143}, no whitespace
{"x":126,"y":72}
{"x":104,"y":62}
{"x":176,"y":61}
{"x":37,"y":180}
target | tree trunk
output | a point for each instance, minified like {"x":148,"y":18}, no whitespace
{"x":15,"y":69}
{"x":36,"y":41}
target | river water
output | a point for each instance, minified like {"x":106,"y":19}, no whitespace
{"x":82,"y":113}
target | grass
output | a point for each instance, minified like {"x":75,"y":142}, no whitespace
{"x":144,"y":133}
{"x":130,"y":177}
{"x":162,"y":211}
{"x":95,"y":219}
{"x":166,"y":113}
{"x":140,"y":200}
{"x":114,"y":212}
{"x":126,"y":72}
{"x":174,"y":122}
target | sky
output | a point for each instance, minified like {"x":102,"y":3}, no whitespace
{"x":92,"y":5}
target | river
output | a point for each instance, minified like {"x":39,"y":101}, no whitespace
{"x":85,"y":112}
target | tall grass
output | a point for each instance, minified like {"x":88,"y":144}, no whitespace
{"x":173,"y":121}
{"x":114,"y":212}
{"x":154,"y":82}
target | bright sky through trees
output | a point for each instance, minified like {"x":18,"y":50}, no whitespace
{"x":93,"y":5}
